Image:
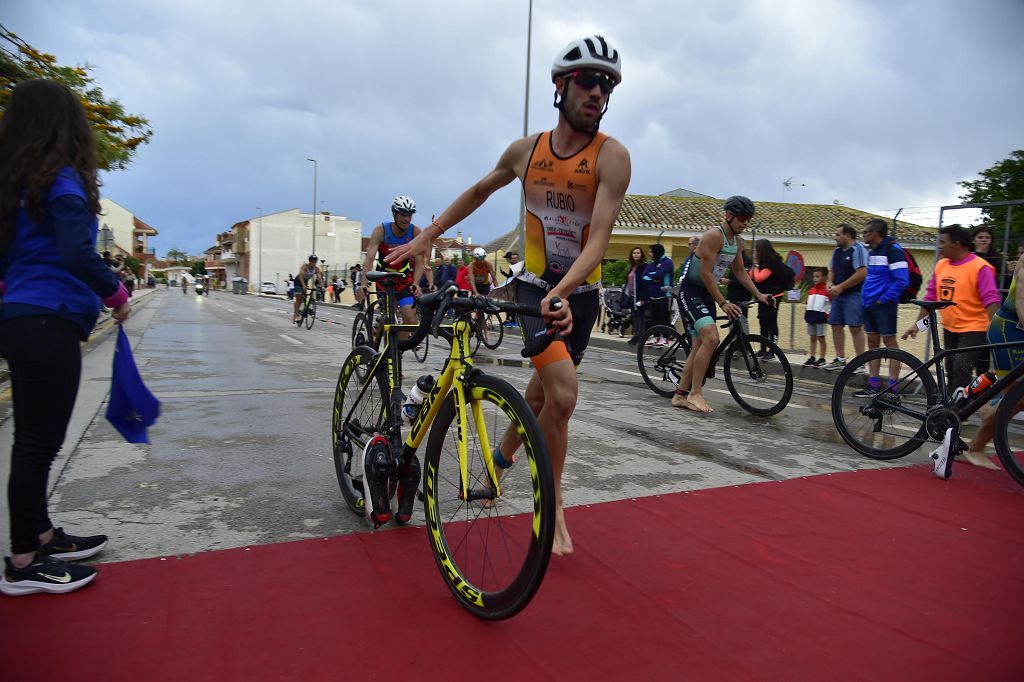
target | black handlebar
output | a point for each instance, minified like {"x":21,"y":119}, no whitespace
{"x":433,"y":307}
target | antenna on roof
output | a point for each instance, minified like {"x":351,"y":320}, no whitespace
{"x":787,"y":186}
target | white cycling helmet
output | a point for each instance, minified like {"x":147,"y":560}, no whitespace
{"x":404,"y":205}
{"x":479,"y":253}
{"x":592,"y":52}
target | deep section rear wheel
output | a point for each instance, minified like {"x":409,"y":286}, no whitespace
{"x":662,"y":365}
{"x":762,"y":387}
{"x":1009,"y":432}
{"x":492,"y":551}
{"x":891,"y":423}
{"x":370,"y":416}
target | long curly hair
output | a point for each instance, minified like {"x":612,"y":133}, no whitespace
{"x":43,"y":130}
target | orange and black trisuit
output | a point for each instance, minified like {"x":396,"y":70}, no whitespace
{"x":560,"y":195}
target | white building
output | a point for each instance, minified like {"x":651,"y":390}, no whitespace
{"x":278,"y":243}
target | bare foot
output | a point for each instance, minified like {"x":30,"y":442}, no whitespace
{"x":562,"y":546}
{"x":979,"y":459}
{"x":680,"y":401}
{"x":696,"y":402}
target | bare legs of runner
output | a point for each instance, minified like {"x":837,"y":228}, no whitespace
{"x":552,"y":394}
{"x":697,"y":366}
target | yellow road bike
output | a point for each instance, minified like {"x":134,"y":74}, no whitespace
{"x":490,"y":528}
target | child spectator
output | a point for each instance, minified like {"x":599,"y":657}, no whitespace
{"x":816,"y":317}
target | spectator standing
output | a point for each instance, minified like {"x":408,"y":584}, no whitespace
{"x":771,"y":276}
{"x":816,"y":317}
{"x":52,"y":284}
{"x":735,"y":292}
{"x":886,"y":279}
{"x":446,"y":272}
{"x":630,"y":292}
{"x":970,"y":282}
{"x":658,"y":274}
{"x":984,"y":247}
{"x":847,"y":271}
{"x":462,"y":276}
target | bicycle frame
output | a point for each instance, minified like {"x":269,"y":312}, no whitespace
{"x":974,"y":404}
{"x":739,"y":326}
{"x":458,"y":368}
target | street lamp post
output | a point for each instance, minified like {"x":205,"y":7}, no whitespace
{"x":526,"y":125}
{"x":314,"y":205}
{"x":259,"y":285}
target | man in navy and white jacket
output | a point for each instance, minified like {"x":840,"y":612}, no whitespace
{"x":887,"y":277}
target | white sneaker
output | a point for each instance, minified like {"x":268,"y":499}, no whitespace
{"x":943,"y":463}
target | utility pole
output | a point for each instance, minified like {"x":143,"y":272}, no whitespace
{"x":313,"y":252}
{"x":526,"y":131}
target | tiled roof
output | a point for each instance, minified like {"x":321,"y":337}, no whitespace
{"x":772,"y":218}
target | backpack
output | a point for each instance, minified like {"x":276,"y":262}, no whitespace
{"x":914,"y":271}
{"x":788,"y":277}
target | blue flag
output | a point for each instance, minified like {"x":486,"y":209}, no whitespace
{"x":132,"y":408}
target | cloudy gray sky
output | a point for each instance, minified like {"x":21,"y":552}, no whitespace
{"x":879,"y":104}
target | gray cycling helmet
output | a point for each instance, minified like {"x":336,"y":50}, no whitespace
{"x":739,"y":205}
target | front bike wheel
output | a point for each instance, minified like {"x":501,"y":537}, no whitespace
{"x":362,"y":334}
{"x":662,"y":365}
{"x":759,"y":386}
{"x":370,"y":416}
{"x":492,"y":331}
{"x":420,"y":351}
{"x":878,"y":424}
{"x":310,"y":313}
{"x":1009,"y":432}
{"x":492,"y":551}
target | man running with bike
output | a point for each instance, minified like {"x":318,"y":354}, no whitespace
{"x":575,"y":179}
{"x":698,"y":294}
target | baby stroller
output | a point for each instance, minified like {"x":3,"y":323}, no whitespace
{"x":617,"y":314}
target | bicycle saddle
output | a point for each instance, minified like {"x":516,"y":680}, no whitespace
{"x":933,"y":305}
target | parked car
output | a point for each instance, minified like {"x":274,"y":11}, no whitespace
{"x":268,"y":288}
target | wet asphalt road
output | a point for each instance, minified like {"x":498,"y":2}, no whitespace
{"x":241,"y":454}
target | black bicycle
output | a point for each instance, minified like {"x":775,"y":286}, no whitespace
{"x":760,"y":384}
{"x":307,"y":309}
{"x":894,"y":420}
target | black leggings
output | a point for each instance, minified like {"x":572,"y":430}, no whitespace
{"x":768,"y":316}
{"x":45,"y":360}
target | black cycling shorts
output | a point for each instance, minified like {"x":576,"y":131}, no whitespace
{"x":697,"y":305}
{"x":583,"y":306}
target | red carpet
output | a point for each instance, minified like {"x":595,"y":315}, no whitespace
{"x":880,"y":575}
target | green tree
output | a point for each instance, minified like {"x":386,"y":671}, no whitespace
{"x":197,"y":267}
{"x":1002,"y":182}
{"x":133,"y":265}
{"x":176,"y":256}
{"x":118,"y":134}
{"x":613,"y":272}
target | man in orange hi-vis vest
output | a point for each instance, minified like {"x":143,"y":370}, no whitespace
{"x":575,"y":179}
{"x":970,"y":282}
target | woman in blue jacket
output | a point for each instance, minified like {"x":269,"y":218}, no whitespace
{"x":51,"y":283}
{"x":658,"y":275}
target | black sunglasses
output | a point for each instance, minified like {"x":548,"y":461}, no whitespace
{"x":588,"y":79}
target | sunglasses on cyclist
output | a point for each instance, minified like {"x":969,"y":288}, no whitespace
{"x":588,"y":79}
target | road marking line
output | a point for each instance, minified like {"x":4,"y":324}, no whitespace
{"x":625,"y":371}
{"x":250,"y":319}
{"x":763,"y":400}
{"x":290,"y":339}
{"x":229,"y":310}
